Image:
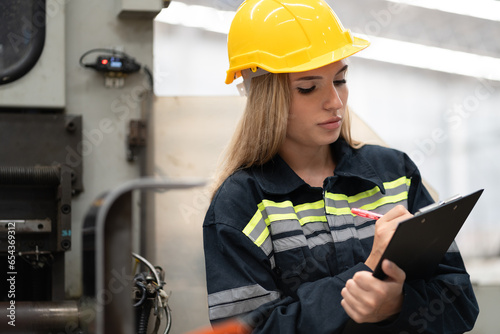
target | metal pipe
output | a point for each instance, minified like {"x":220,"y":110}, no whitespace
{"x":39,"y":317}
{"x":115,"y":313}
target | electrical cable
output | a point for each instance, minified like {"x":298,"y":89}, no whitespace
{"x":144,"y":293}
{"x":149,"y":265}
{"x":168,"y":313}
{"x":144,"y":302}
{"x":109,"y":51}
{"x":126,"y":65}
{"x":143,"y":318}
{"x":150,"y":77}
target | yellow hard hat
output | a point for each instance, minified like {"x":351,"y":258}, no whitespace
{"x":287,"y":36}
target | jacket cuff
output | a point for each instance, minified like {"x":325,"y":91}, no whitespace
{"x":349,"y":273}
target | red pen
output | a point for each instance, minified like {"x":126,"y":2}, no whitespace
{"x":366,"y":213}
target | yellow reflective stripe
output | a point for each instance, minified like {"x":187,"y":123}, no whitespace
{"x":388,"y":185}
{"x":396,"y":183}
{"x":252,"y":223}
{"x":386,"y":200}
{"x":338,"y":211}
{"x":274,"y":217}
{"x":257,"y":217}
{"x":362,"y":195}
{"x":337,"y":197}
{"x":265,"y":203}
{"x":278,"y":217}
{"x":262,"y":237}
{"x":310,"y":219}
{"x":309,"y":206}
{"x":366,"y":194}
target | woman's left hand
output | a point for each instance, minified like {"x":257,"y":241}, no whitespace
{"x":368,"y":299}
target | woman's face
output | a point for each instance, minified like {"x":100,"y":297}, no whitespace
{"x":319,"y":99}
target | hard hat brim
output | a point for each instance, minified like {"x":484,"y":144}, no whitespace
{"x":357,"y":45}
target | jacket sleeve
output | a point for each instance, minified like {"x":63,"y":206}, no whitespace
{"x":445,"y":303}
{"x":241,"y":281}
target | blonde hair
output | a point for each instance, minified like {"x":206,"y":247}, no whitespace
{"x":262,"y":128}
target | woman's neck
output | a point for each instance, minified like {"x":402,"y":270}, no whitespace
{"x":312,"y":165}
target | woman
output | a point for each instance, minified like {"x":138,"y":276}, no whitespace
{"x":283,"y":252}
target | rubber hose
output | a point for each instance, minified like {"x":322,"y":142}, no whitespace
{"x":143,"y":318}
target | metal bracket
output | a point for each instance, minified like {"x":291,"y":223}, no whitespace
{"x":136,"y":138}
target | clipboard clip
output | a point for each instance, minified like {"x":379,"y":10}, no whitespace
{"x":437,"y":204}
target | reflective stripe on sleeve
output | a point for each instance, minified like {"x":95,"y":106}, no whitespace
{"x":232,"y":302}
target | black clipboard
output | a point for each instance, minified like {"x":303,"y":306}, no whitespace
{"x":419,"y":243}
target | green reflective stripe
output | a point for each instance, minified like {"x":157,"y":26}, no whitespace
{"x":396,"y":192}
{"x":268,"y":203}
{"x":269,"y":212}
{"x":387,"y":185}
{"x":311,"y":216}
{"x":257,"y":229}
{"x":386,"y":200}
{"x":279,"y":217}
{"x":396,"y":183}
{"x":402,"y":189}
{"x":311,"y":212}
{"x":312,"y":219}
{"x":310,"y":206}
{"x":262,"y":237}
{"x":257,"y":217}
{"x":338,"y":211}
{"x":277,"y":210}
{"x":305,"y":213}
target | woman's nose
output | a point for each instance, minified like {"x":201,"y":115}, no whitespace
{"x":332,"y":99}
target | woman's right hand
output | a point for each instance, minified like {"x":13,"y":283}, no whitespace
{"x":384,"y":229}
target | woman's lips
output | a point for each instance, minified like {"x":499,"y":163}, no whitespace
{"x":332,"y":123}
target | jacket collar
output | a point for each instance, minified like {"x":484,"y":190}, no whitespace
{"x":276,"y":177}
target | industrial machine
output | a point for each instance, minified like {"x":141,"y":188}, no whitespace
{"x":43,"y":147}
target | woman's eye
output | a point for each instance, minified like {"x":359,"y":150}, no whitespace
{"x":339,"y":82}
{"x":305,"y":90}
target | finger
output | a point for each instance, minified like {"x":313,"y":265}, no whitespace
{"x":351,"y":312}
{"x":352,"y":294}
{"x":393,"y":271}
{"x":356,"y":297}
{"x":364,"y":281}
{"x":353,"y":307}
{"x":353,"y":290}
